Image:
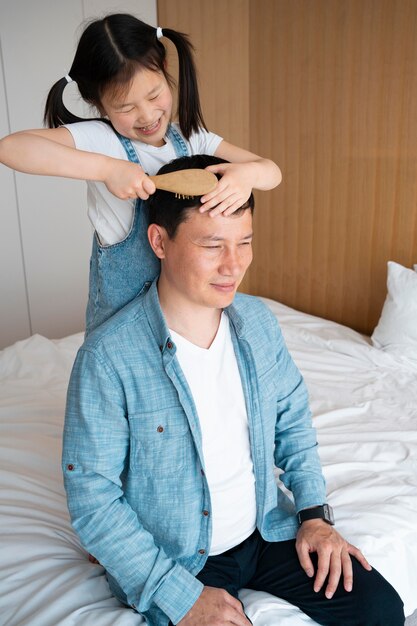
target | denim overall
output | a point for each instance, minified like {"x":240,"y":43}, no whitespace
{"x":119,"y":272}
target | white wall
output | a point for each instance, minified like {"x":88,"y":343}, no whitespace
{"x":45,"y":235}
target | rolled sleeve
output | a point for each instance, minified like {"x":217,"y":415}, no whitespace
{"x":178,"y":593}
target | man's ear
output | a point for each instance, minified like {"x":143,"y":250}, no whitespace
{"x":157,"y":236}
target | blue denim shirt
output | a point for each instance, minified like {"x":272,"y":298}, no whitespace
{"x":132,"y":455}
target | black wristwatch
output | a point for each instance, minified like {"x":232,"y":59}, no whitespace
{"x":324,"y":512}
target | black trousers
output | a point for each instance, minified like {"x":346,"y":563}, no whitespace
{"x":275,"y":568}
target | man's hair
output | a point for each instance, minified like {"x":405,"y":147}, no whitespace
{"x":169,"y":211}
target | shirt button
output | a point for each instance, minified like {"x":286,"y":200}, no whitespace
{"x":70,"y":467}
{"x":201,"y":551}
{"x":205,"y":513}
{"x":169,"y":345}
{"x":202,"y":472}
{"x":160,"y":429}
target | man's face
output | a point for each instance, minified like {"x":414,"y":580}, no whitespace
{"x":207,"y":259}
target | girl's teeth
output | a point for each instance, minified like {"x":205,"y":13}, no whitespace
{"x":149,"y":127}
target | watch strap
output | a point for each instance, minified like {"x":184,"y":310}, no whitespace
{"x":324,"y":512}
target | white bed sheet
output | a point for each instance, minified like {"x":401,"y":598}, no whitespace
{"x":365,"y":409}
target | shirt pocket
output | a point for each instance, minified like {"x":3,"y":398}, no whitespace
{"x":160,"y":442}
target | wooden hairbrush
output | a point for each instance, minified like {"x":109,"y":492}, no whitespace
{"x":186,"y":183}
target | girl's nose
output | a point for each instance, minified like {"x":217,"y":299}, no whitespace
{"x":145,"y":115}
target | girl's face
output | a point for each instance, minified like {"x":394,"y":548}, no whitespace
{"x":143,"y":112}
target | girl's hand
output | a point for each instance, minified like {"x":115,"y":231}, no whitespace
{"x":232,"y":190}
{"x":125,"y":179}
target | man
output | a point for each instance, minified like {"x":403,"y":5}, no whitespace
{"x":178,"y":408}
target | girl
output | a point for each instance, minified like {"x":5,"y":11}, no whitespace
{"x":120,"y":69}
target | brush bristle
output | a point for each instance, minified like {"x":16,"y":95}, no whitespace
{"x":181,"y":196}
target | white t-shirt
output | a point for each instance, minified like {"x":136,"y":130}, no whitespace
{"x":110,"y":216}
{"x":214,"y":379}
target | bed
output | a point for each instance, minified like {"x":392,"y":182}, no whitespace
{"x":364,"y":399}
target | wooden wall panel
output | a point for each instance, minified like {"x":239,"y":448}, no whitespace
{"x":219,"y":32}
{"x":338,"y":80}
{"x":331,"y":96}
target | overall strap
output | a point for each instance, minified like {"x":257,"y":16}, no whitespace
{"x":129,"y":149}
{"x":178,"y":142}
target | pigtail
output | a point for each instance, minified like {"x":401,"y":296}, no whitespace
{"x":109,"y":53}
{"x":190,"y":115}
{"x":56,"y":113}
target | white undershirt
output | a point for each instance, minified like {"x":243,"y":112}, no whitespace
{"x":213,"y":377}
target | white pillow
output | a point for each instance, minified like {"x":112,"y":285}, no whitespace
{"x":396,"y":331}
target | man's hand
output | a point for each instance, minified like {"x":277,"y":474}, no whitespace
{"x":215,"y":607}
{"x":333,"y":554}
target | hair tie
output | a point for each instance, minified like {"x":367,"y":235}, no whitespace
{"x":159,"y":32}
{"x":68,"y":78}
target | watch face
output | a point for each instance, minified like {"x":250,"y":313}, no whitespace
{"x":328,"y":513}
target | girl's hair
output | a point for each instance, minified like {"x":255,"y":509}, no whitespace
{"x":109,"y":53}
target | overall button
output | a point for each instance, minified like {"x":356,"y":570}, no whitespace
{"x":205,"y":513}
{"x":201,"y":551}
